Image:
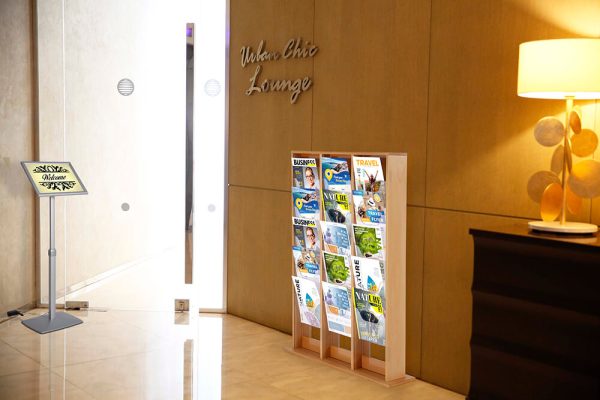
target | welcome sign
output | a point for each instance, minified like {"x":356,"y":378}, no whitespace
{"x":53,"y":178}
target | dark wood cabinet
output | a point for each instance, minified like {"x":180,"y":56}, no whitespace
{"x":536,"y":316}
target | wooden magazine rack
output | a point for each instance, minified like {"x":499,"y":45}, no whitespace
{"x":385,"y":365}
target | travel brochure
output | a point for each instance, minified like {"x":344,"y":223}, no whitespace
{"x":336,"y":174}
{"x":342,"y":231}
{"x":306,"y":263}
{"x":368,"y":174}
{"x":369,"y":207}
{"x":306,"y":203}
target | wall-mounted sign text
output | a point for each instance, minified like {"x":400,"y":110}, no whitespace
{"x":53,"y":178}
{"x":294,"y":48}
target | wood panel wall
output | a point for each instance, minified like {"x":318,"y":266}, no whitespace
{"x":436,"y":79}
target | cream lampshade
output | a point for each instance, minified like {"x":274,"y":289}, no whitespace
{"x":561,"y":68}
{"x":565,"y":69}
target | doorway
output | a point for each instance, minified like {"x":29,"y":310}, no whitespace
{"x":123,"y":245}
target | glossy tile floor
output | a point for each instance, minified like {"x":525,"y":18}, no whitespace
{"x":161,"y":355}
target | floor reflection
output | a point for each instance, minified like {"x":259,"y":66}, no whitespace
{"x":159,"y":355}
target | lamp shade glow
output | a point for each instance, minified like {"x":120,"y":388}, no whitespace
{"x":560,"y":68}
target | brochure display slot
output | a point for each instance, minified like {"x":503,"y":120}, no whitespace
{"x":336,"y":348}
{"x":306,"y":338}
{"x":342,"y":347}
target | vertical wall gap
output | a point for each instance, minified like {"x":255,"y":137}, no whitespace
{"x":312,"y":97}
{"x":425,"y":180}
{"x":189,"y":153}
{"x":65,"y":201}
{"x":35,"y":132}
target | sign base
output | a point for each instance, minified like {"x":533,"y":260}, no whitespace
{"x":43,"y":323}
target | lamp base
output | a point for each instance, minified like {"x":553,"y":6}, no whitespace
{"x":568,"y":228}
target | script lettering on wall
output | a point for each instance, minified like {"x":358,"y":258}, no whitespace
{"x":294,"y":48}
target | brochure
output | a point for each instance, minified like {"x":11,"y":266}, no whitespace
{"x":368,"y":275}
{"x":368,"y":174}
{"x":335,"y":238}
{"x":306,"y":233}
{"x":337,"y":207}
{"x":306,"y":203}
{"x":337,"y":309}
{"x":370,"y":319}
{"x":369,"y":207}
{"x":307,"y":263}
{"x":305,"y":173}
{"x":338,"y":269}
{"x":336,"y":174}
{"x":369,"y":241}
{"x":309,"y":301}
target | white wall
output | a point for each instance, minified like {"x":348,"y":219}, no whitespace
{"x":17,"y":201}
{"x":130,"y":149}
{"x":126,"y":149}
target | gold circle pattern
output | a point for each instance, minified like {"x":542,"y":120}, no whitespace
{"x":539,"y":182}
{"x":551,"y":202}
{"x":585,"y":179}
{"x":585,"y":143}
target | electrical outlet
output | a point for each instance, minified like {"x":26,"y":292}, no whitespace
{"x":77,"y":304}
{"x":182,"y":305}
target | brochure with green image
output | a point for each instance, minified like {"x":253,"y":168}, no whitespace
{"x":337,"y":269}
{"x":369,"y":241}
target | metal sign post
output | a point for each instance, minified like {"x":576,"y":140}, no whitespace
{"x":51,"y":179}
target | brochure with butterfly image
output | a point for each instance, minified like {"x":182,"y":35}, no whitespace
{"x":306,"y":203}
{"x":338,"y":308}
{"x":307,"y":263}
{"x":306,"y":233}
{"x":337,"y":268}
{"x":305,"y":173}
{"x":369,"y":207}
{"x":336,"y":238}
{"x":308,"y":299}
{"x":369,"y":241}
{"x":337,"y":207}
{"x":336,"y":174}
{"x":368,"y":174}
{"x":370,"y":318}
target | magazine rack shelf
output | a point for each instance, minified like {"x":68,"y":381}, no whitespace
{"x":385,"y":365}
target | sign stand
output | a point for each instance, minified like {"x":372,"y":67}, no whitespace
{"x":52,"y":179}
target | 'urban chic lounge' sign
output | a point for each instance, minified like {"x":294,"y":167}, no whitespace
{"x":294,"y":48}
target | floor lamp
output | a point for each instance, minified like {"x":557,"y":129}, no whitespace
{"x":568,"y":70}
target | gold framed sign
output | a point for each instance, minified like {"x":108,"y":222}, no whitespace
{"x":53,"y":178}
